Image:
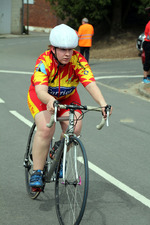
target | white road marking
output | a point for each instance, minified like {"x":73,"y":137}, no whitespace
{"x":127,"y":120}
{"x":2,"y":101}
{"x":113,"y":72}
{"x":145,"y":201}
{"x":16,"y":72}
{"x":96,"y":78}
{"x":117,"y":76}
{"x":22,"y":118}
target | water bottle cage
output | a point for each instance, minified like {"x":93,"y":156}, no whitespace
{"x":52,"y":152}
{"x":54,"y":149}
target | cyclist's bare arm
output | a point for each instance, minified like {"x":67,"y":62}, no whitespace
{"x":45,"y":97}
{"x":96,"y":94}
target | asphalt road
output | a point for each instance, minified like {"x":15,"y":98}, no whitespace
{"x":119,"y":156}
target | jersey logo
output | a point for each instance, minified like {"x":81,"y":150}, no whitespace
{"x":54,"y":91}
{"x":86,"y":72}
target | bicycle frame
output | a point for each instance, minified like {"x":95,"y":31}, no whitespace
{"x":55,"y":162}
{"x":70,"y":132}
{"x":64,"y":145}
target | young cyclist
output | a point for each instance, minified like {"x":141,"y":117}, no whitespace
{"x":57,"y":73}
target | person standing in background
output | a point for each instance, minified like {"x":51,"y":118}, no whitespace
{"x":146,"y":48}
{"x":85,"y":34}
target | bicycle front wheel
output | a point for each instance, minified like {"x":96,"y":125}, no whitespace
{"x":28,"y":163}
{"x":72,"y":191}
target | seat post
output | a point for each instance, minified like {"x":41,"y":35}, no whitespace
{"x":71,"y":122}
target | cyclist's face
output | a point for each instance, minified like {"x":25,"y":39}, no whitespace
{"x":63,"y":55}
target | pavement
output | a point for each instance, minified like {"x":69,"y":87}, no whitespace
{"x":31,"y":34}
{"x":143,"y":89}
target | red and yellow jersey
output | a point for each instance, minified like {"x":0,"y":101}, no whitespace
{"x":67,"y":77}
{"x":147,"y":32}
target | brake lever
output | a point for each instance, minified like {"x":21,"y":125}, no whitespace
{"x":55,"y":110}
{"x":55,"y":113}
{"x":107,"y":122}
{"x":107,"y":109}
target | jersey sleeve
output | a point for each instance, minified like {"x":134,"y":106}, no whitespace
{"x":84,"y":72}
{"x":41,"y":71}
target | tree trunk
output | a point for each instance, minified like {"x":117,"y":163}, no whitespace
{"x":116,"y":25}
{"x":126,"y":6}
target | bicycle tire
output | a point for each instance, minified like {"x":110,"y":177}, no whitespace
{"x":28,"y":163}
{"x":71,"y":195}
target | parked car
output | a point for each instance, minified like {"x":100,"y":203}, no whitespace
{"x":139,"y":46}
{"x":139,"y":43}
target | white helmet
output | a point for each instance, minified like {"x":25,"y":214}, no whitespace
{"x":63,"y":36}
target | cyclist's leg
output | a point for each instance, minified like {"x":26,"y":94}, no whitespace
{"x":28,"y":164}
{"x":42,"y":140}
{"x":82,"y":49}
{"x":40,"y":148}
{"x":87,"y":53}
{"x":146,"y":65}
{"x":42,"y":137}
{"x":43,"y":134}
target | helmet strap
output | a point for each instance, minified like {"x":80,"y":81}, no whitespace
{"x":55,"y":56}
{"x":59,"y":63}
{"x":55,"y":73}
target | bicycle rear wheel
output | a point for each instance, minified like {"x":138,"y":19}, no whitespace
{"x":71,"y":193}
{"x":28,"y":163}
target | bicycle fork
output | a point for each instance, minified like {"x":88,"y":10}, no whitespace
{"x":66,"y":149}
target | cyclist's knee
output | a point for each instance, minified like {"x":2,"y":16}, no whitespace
{"x":41,"y":120}
{"x":78,"y":128}
{"x":45,"y":133}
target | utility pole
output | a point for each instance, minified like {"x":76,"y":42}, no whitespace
{"x":27,"y":16}
{"x":22,"y":19}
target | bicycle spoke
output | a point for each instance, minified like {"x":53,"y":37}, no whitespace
{"x":71,"y":193}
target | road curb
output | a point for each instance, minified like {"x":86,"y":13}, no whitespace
{"x":142,"y":90}
{"x":31,"y":34}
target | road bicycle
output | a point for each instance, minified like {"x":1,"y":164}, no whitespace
{"x":71,"y":190}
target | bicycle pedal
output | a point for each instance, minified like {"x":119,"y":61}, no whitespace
{"x":37,"y":189}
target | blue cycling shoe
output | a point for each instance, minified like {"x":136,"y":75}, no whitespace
{"x":146,"y":81}
{"x":148,"y":77}
{"x":36,"y":179}
{"x":61,"y":171}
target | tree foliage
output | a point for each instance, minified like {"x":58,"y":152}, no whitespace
{"x":113,"y":13}
{"x":74,"y":11}
{"x":140,"y":5}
